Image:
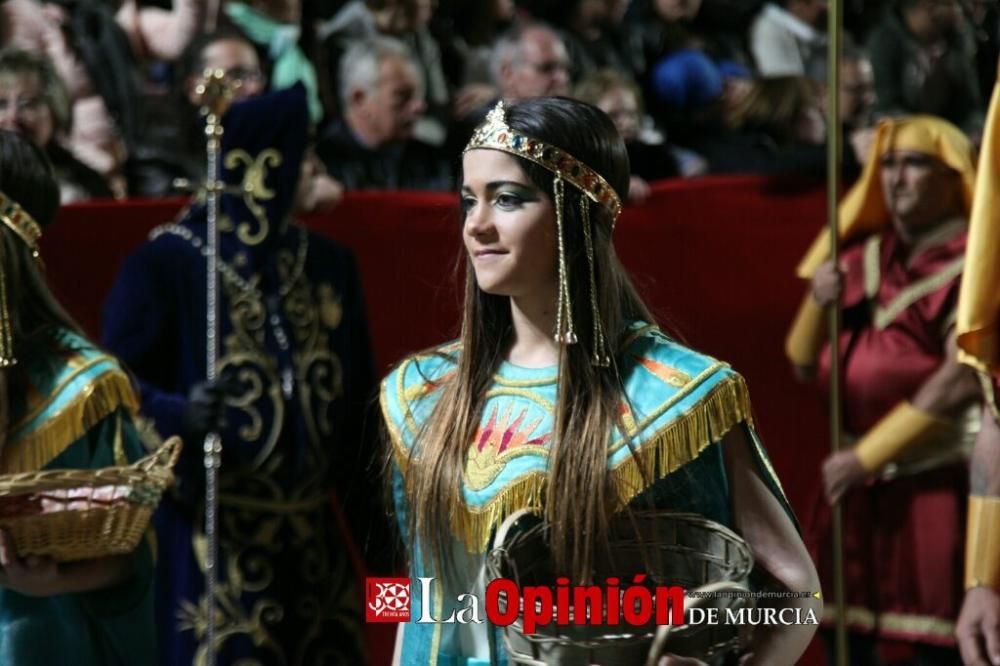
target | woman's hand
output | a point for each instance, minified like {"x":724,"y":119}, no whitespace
{"x":35,"y":576}
{"x":827,"y":284}
{"x":841,"y":471}
{"x":31,"y":576}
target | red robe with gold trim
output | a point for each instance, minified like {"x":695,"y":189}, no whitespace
{"x":903,"y":531}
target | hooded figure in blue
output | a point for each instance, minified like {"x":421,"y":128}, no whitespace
{"x":296,"y":374}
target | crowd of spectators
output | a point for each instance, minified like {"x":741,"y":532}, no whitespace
{"x":395,"y":87}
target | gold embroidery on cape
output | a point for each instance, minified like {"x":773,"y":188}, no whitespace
{"x":255,"y":510}
{"x":677,"y":443}
{"x":253,"y":189}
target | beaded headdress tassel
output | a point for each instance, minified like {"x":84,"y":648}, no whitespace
{"x":21,"y":223}
{"x":495,"y":134}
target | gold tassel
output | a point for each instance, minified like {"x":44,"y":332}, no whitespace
{"x":474,"y":528}
{"x":683,"y":440}
{"x":6,"y":333}
{"x":564,"y":311}
{"x":31,"y":451}
{"x":601,"y":358}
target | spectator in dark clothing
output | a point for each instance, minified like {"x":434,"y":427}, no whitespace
{"x":691,"y":93}
{"x":409,"y":22}
{"x":984,"y":22}
{"x":923,"y":63}
{"x":592,"y":33}
{"x":529,"y":60}
{"x":372,"y":146}
{"x":658,"y":28}
{"x":777,"y":127}
{"x":35,"y":103}
{"x":229,"y":51}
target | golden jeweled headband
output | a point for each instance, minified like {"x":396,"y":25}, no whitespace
{"x":494,"y":134}
{"x":20,"y":222}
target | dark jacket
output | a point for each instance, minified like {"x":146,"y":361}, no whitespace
{"x":410,"y":165}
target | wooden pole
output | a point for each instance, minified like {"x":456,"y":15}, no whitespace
{"x":833,"y":162}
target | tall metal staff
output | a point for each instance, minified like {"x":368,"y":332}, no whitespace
{"x":834,"y":24}
{"x":216,"y":93}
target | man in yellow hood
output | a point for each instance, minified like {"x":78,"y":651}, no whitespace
{"x":902,"y":483}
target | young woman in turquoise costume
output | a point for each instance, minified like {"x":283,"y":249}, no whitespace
{"x":63,"y":404}
{"x":561,"y":395}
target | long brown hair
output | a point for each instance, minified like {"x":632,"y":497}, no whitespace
{"x":26,"y":176}
{"x":579,"y":496}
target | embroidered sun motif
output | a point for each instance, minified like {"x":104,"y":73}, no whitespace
{"x":498,"y":441}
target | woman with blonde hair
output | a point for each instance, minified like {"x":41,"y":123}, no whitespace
{"x":561,"y":395}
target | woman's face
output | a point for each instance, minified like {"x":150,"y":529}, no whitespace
{"x":623,"y":108}
{"x":508,"y":226}
{"x":23,"y":108}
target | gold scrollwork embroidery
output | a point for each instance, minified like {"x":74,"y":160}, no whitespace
{"x":260,"y":517}
{"x":255,"y":371}
{"x":254,"y":189}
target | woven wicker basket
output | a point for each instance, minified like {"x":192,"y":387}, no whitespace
{"x":671,"y":548}
{"x":77,"y":514}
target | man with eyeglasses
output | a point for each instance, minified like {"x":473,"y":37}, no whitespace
{"x":372,"y":146}
{"x":531,"y":61}
{"x":232,"y":53}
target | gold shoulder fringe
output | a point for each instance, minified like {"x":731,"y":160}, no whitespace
{"x":682,"y":440}
{"x":99,"y":399}
{"x":677,"y":444}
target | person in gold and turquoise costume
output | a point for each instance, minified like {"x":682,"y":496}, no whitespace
{"x":64,"y":404}
{"x":561,"y":395}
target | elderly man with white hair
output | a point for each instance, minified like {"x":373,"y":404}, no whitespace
{"x":371,"y":146}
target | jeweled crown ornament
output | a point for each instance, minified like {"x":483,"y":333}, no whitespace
{"x":21,"y":223}
{"x":495,"y":134}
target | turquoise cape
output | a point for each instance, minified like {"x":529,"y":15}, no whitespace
{"x":678,"y":405}
{"x":76,"y":414}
